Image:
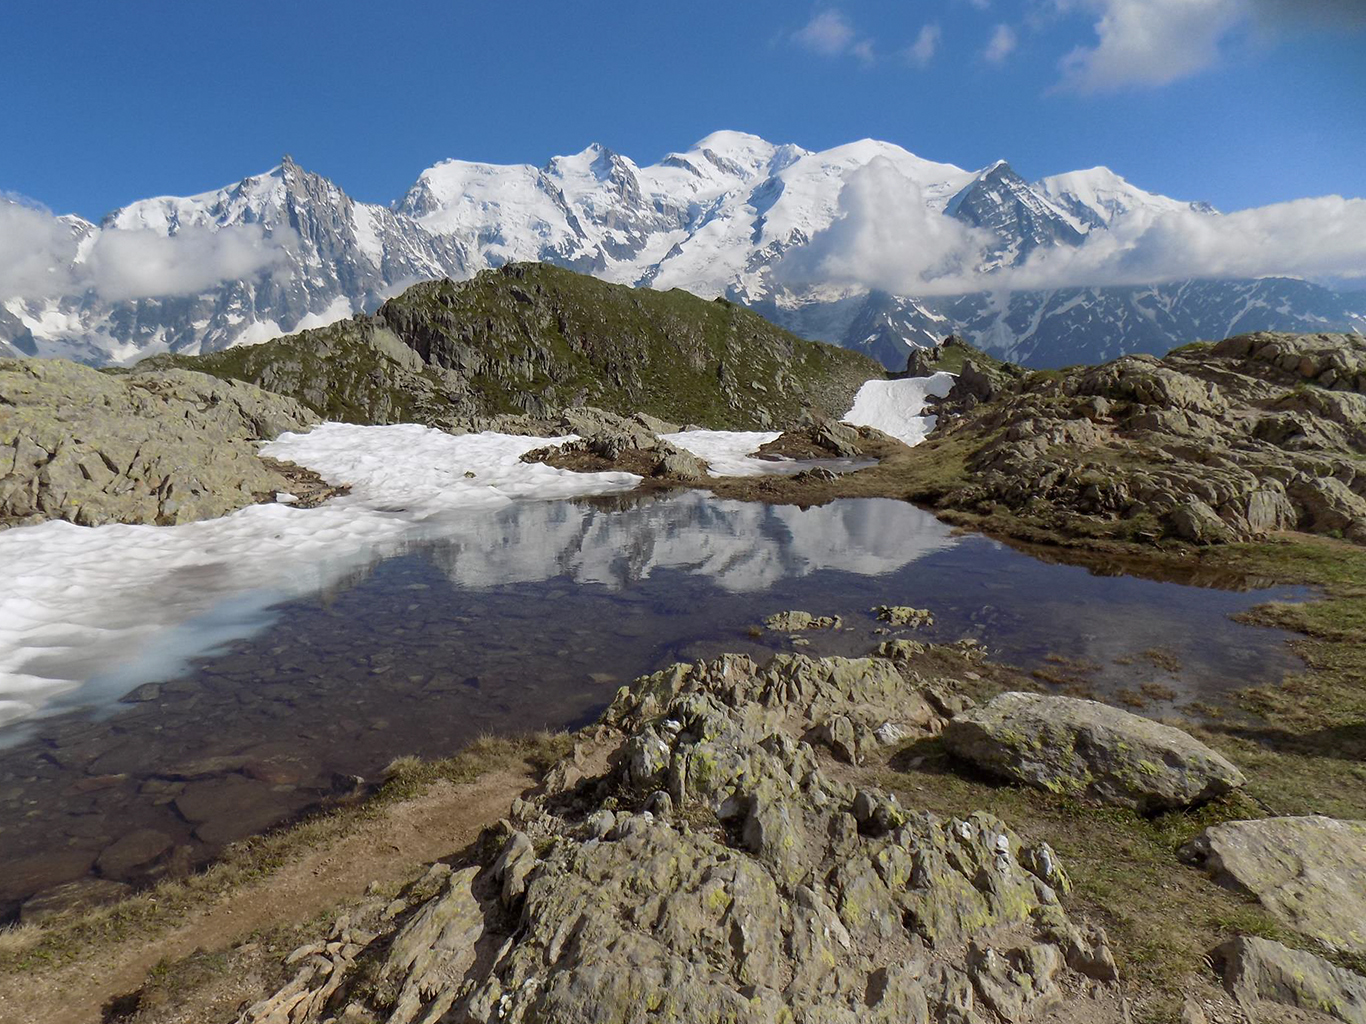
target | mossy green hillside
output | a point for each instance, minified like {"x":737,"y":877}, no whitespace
{"x":531,"y":339}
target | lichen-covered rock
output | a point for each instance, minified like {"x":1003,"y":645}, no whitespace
{"x":902,"y":615}
{"x":165,"y":446}
{"x":1308,"y":871}
{"x":719,"y":871}
{"x":1259,"y":969}
{"x":1085,"y":748}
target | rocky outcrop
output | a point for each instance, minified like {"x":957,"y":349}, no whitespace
{"x":1212,"y":443}
{"x":532,"y":339}
{"x":698,"y":859}
{"x":1259,"y":969}
{"x":1089,"y":749}
{"x":825,"y":439}
{"x":629,"y":448}
{"x":1310,"y":872}
{"x":903,"y":615}
{"x":164,"y":446}
{"x":793,"y":621}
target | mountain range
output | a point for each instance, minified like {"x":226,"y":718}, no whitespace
{"x":865,"y":245}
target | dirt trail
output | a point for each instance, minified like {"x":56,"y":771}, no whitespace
{"x":387,"y":848}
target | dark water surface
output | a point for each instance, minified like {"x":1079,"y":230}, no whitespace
{"x":532,"y":616}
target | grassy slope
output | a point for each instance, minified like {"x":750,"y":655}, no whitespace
{"x":535,"y":339}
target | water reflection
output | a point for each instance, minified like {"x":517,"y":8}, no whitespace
{"x":246,"y":704}
{"x":157,"y":614}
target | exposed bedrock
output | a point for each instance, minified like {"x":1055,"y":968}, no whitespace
{"x":700,"y":857}
{"x":164,"y":446}
{"x":1212,"y":443}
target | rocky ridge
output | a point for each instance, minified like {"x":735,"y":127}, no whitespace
{"x":530,"y":340}
{"x":160,"y":446}
{"x":1214,"y":442}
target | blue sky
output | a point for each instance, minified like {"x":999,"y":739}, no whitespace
{"x":1237,"y":102}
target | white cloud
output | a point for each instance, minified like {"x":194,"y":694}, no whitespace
{"x":1156,"y":42}
{"x":885,"y":237}
{"x":830,"y":34}
{"x":1149,"y":42}
{"x":1324,"y":237}
{"x":36,"y":251}
{"x":1001,"y":44}
{"x":926,"y":44}
{"x":135,"y":264}
{"x":43,"y":255}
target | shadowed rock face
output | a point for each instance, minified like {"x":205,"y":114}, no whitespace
{"x":696,"y":859}
{"x":166,"y":446}
{"x":1212,"y":443}
{"x":1090,"y":749}
{"x":1308,"y":871}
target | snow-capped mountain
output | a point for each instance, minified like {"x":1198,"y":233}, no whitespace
{"x":328,"y":257}
{"x":866,"y":244}
{"x":1098,"y":197}
{"x":1021,"y":217}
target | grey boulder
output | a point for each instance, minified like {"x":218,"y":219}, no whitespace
{"x":1310,"y":872}
{"x":1259,"y":969}
{"x":1088,"y":749}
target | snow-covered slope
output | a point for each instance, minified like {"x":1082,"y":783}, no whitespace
{"x":1098,"y":197}
{"x":729,"y":216}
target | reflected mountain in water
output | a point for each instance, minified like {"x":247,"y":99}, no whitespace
{"x":741,"y":546}
{"x":147,"y":621}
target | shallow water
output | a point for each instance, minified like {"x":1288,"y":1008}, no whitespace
{"x":531,"y":616}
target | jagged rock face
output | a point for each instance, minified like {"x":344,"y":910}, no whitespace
{"x":1021,"y":217}
{"x":532,"y":340}
{"x":1067,"y":326}
{"x":1085,"y":748}
{"x":1213,"y":443}
{"x":165,"y":446}
{"x":718,"y":869}
{"x":335,"y":256}
{"x":1310,"y":872}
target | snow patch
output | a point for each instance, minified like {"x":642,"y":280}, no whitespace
{"x":98,"y":610}
{"x":896,"y":407}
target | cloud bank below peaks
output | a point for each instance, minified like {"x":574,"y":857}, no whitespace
{"x":1324,"y":237}
{"x":885,"y":238}
{"x":43,"y":256}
